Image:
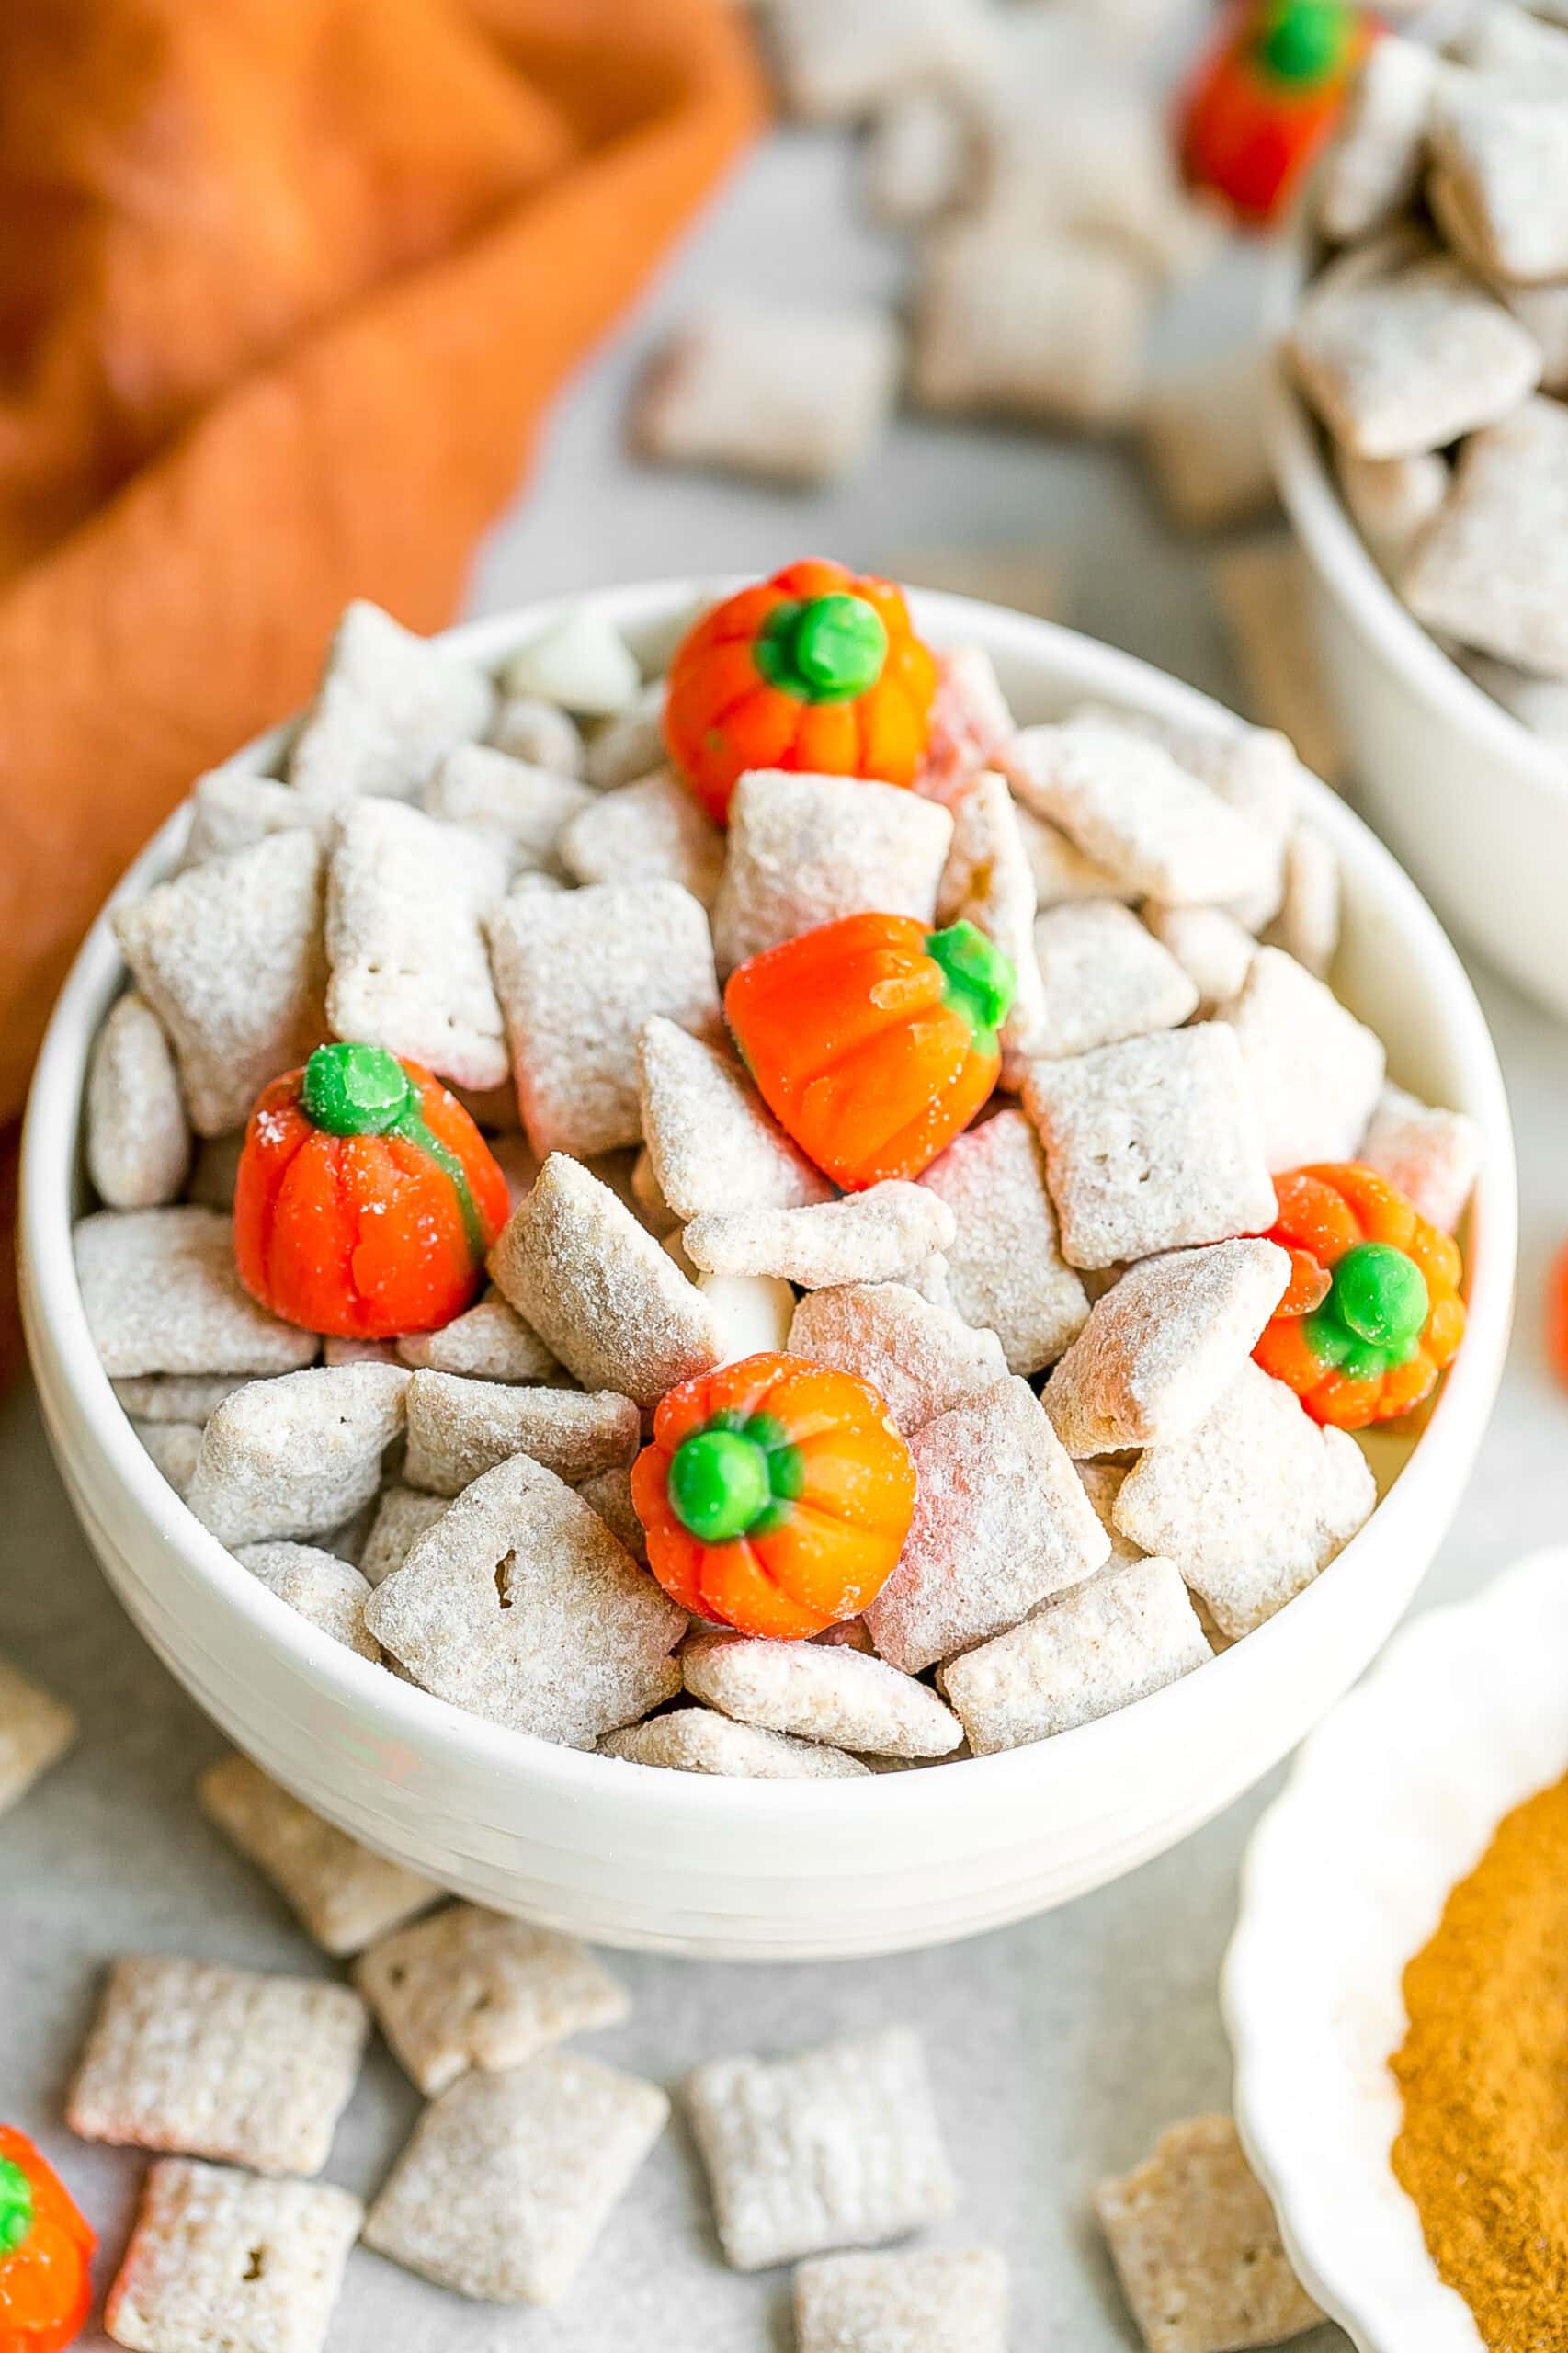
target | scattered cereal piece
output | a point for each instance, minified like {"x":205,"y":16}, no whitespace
{"x":920,"y":1359}
{"x":388,"y":706}
{"x":1049,"y":330}
{"x":1314,"y":1070}
{"x":457,"y":1429}
{"x":160,"y":1294}
{"x":651,"y":831}
{"x":786,"y":393}
{"x":344,"y":1894}
{"x":233,"y":809}
{"x":36,"y":1730}
{"x":175,"y":1447}
{"x":947,"y":2301}
{"x":599,"y":1291}
{"x":712,"y":1143}
{"x":1391,"y":500}
{"x":490,"y":1342}
{"x":402,"y":1515}
{"x":578,"y":975}
{"x":1203,"y":441}
{"x":1432,"y":1156}
{"x":287,"y":1459}
{"x":470,"y":1989}
{"x":834,"y":2148}
{"x":1493,"y":569}
{"x":222,"y":2258}
{"x":1374,"y":164}
{"x":579,"y":660}
{"x":806,"y":849}
{"x":629,"y":746}
{"x":1105,"y":978}
{"x":1164,"y":1344}
{"x":540,"y":732}
{"x":971,"y":724}
{"x":835,"y":63}
{"x":1000,"y":1521}
{"x":819,"y":1692}
{"x":877,"y":1235}
{"x":988,"y":882}
{"x":1306,"y":925}
{"x":406,"y":899}
{"x":521,"y":811}
{"x":1088,"y":156}
{"x":218,"y":2062}
{"x":609,"y":1494}
{"x":916,"y":159}
{"x":697,"y":1740}
{"x":1152,"y":1144}
{"x":1262,"y":589}
{"x":1499,"y":181}
{"x":1251,"y":1504}
{"x":326,"y":1589}
{"x":1197,"y":2248}
{"x":138,"y":1136}
{"x":229,"y":955}
{"x":1210,"y":945}
{"x":1004,"y":1265}
{"x":520,"y":1605}
{"x":509,"y":2179}
{"x":174,"y":1397}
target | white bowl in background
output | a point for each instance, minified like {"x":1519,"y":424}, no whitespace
{"x":1473,"y":803}
{"x":779,"y":1869}
{"x":1394,"y":1798}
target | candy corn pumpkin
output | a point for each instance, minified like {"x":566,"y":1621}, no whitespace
{"x":1266,"y":96}
{"x":776,"y":1496}
{"x":1372,"y":1313}
{"x":872,"y":1040}
{"x":818,"y":669}
{"x":46,"y":2250}
{"x":367,"y":1199}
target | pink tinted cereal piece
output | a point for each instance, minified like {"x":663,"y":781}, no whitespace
{"x":1306,"y":925}
{"x":389,"y":707}
{"x":876,"y":1236}
{"x":1431,"y":1155}
{"x":712,"y":1143}
{"x":343,"y":1894}
{"x":326,"y":1590}
{"x":699,"y":1740}
{"x":1005,"y":1271}
{"x":402,"y":1515}
{"x":806,"y":849}
{"x":222,"y":2258}
{"x":517,"y":809}
{"x":489,"y":1342}
{"x":1007,"y":325}
{"x":947,"y":2301}
{"x":823,"y":1692}
{"x":457,"y":1429}
{"x":1314,"y":1070}
{"x":36,"y":1730}
{"x":160,"y":1294}
{"x":1103,"y":978}
{"x":653,"y":830}
{"x":1210,"y":945}
{"x":138,"y":1136}
{"x":290,"y":1457}
{"x":1374,"y":164}
{"x":1493,"y":569}
{"x":920,"y":1358}
{"x":1000,"y":1521}
{"x":971,"y":724}
{"x":786,"y":393}
{"x":988,"y":882}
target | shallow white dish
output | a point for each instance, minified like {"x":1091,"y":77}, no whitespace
{"x":1394,"y":1798}
{"x":779,"y":1869}
{"x":1474,"y":803}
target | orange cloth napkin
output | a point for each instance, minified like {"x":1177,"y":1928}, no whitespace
{"x":284,"y":287}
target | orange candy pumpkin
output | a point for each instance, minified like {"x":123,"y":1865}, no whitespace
{"x":1265,"y":99}
{"x":367,"y":1199}
{"x":776,"y":1496}
{"x":46,"y":2249}
{"x":818,"y":669}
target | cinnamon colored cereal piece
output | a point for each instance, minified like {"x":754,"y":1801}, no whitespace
{"x":457,"y":1429}
{"x":160,"y":1294}
{"x":223,"y":2258}
{"x":1005,"y":1271}
{"x":344,"y":1895}
{"x":517,"y":809}
{"x":138,"y":1136}
{"x":920,"y":1359}
{"x":804,"y":850}
{"x":1314,"y":1070}
{"x":36,"y":1730}
{"x":699,"y":1740}
{"x":790,"y":392}
{"x":290,"y":1457}
{"x":940,"y":2300}
{"x":327,"y":1591}
{"x":653,"y":830}
{"x":388,"y":706}
{"x":1431,"y":1157}
{"x":876,"y":1236}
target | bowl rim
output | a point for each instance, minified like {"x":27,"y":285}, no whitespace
{"x":1323,"y":524}
{"x":57,"y":1331}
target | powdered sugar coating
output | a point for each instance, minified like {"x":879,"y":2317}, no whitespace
{"x":222,"y":2258}
{"x":138,"y":1136}
{"x":1005,"y":1270}
{"x":935,"y":2300}
{"x":540,"y":732}
{"x":822,"y":1693}
{"x":1314,"y":1070}
{"x":389,"y":707}
{"x":343,"y":1894}
{"x":921,"y":1360}
{"x":175,"y":1447}
{"x":651,"y":830}
{"x":1493,"y":569}
{"x":877,"y":1235}
{"x":806,"y":849}
{"x":402,"y":1515}
{"x":579,"y":660}
{"x":457,"y":1429}
{"x":327,"y":1590}
{"x":160,"y":1295}
{"x":698,"y":1740}
{"x":1212,"y":949}
{"x":790,"y":393}
{"x":1104,"y":977}
{"x":290,"y":1457}
{"x":711,"y":1141}
{"x":518,"y":809}
{"x":488,"y":1342}
{"x":1306,"y":925}
{"x":1431,"y":1155}
{"x":1373,"y":164}
{"x":1013,"y":325}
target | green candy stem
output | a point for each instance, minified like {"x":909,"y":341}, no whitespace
{"x":15,"y":2206}
{"x":1375,"y":1313}
{"x":735,"y":1477}
{"x":1302,"y":42}
{"x":350,"y":1089}
{"x":978,"y":981}
{"x":827,"y":649}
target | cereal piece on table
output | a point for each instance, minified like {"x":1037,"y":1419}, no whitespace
{"x":835,"y":64}
{"x":609,"y":1494}
{"x":1090,"y":157}
{"x":1251,"y":1504}
{"x":1211,"y":945}
{"x":470,"y":1989}
{"x":1262,"y":589}
{"x":785,"y":392}
{"x":174,"y":1447}
{"x":402,"y":1515}
{"x":519,"y":810}
{"x":326,"y":1590}
{"x":1000,"y":1521}
{"x":1493,"y":569}
{"x":578,"y":975}
{"x":1060,"y":870}
{"x":1499,"y":179}
{"x":343,"y":1894}
{"x":406,"y":900}
{"x":630,"y":745}
{"x":711,"y":1141}
{"x":938,"y":2300}
{"x":599,"y":1291}
{"x":654,"y":830}
{"x":1007,"y":325}
{"x":1391,"y":500}
{"x":822,"y":1693}
{"x":1314,"y":1070}
{"x":541,"y":733}
{"x":232,"y":810}
{"x":971,"y":724}
{"x":388,"y":706}
{"x":916,"y":160}
{"x":1197,"y":2248}
{"x":988,"y":882}
{"x":1201,"y":431}
{"x":1164,"y":1344}
{"x":457,"y":1429}
{"x":1153,"y":1144}
{"x":229,"y":955}
{"x":920,"y":1359}
{"x":36,"y":1730}
{"x":1105,"y":977}
{"x":215,"y":1170}
{"x":1128,"y":805}
{"x":520,"y":1606}
{"x":289,"y":1458}
{"x":1306,"y":925}
{"x":218,"y":2063}
{"x":579,"y":660}
{"x":1432,"y":1156}
{"x":1005,"y":1270}
{"x":877,"y":1235}
{"x":174,"y":1397}
{"x":509,"y":2179}
{"x":223,"y":2258}
{"x":1373,"y":165}
{"x":699,"y":1740}
{"x":834,"y":2148}
{"x":160,"y":1294}
{"x":138,"y":1136}
{"x":1412,"y":360}
{"x":806,"y":849}
{"x":489,"y":1342}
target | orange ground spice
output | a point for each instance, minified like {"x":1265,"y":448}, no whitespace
{"x":1483,"y":2069}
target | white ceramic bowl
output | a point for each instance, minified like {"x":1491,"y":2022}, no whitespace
{"x":1473,"y":803}
{"x":1394,"y":1798}
{"x":774,"y":1870}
